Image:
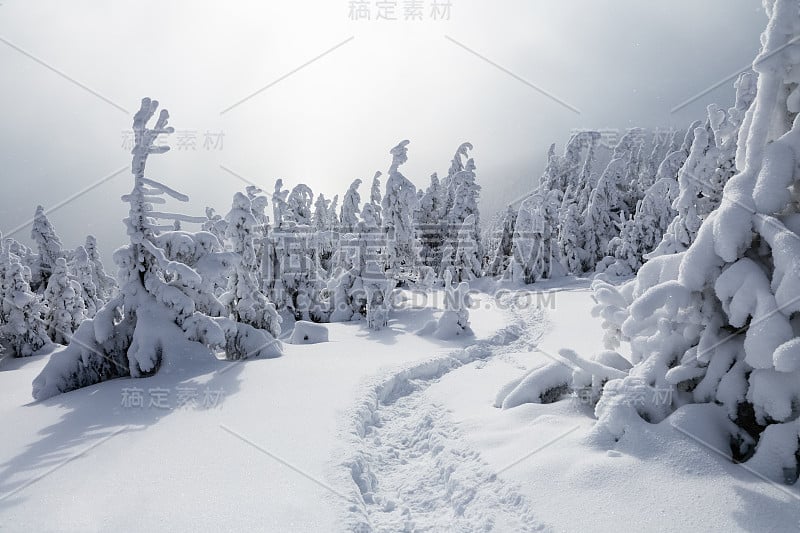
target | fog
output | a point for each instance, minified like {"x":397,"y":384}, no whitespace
{"x":300,"y":91}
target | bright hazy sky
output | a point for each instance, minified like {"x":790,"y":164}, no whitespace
{"x":621,"y":63}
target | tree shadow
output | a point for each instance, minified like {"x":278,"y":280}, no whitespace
{"x":99,"y":412}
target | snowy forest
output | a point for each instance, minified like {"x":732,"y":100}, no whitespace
{"x":687,"y":243}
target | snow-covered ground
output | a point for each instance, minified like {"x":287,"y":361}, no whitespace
{"x":385,"y":431}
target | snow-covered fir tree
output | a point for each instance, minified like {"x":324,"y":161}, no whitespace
{"x":281,"y":213}
{"x":66,"y":308}
{"x":716,"y":324}
{"x":351,"y":207}
{"x":610,"y":199}
{"x":457,"y":164}
{"x":106,"y":285}
{"x":569,"y":232}
{"x":432,"y":228}
{"x":398,"y":206}
{"x":319,"y":220}
{"x":244,"y":299}
{"x":468,"y":257}
{"x":299,"y":204}
{"x":49,"y":249}
{"x":24,"y":311}
{"x":83,"y":272}
{"x":166,"y":307}
{"x":375,"y":196}
{"x":535,"y":247}
{"x":504,"y":250}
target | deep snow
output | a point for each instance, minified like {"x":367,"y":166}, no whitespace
{"x":387,"y":430}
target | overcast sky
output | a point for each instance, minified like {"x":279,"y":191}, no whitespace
{"x":73,"y":72}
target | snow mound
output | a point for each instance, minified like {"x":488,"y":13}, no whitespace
{"x":305,"y":332}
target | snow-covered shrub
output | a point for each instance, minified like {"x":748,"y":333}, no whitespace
{"x":166,"y":307}
{"x":545,"y":384}
{"x":718,"y":322}
{"x":580,"y":377}
{"x":454,"y":321}
{"x":308,"y":333}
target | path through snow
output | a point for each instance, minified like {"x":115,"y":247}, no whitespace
{"x":414,"y":471}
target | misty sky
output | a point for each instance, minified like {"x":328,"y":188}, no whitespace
{"x":620,"y":63}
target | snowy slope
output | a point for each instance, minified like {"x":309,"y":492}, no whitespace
{"x":188,"y":468}
{"x":655,"y":479}
{"x":386,"y":431}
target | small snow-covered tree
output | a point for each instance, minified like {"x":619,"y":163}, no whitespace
{"x":505,"y":244}
{"x":324,"y":240}
{"x":244,"y":299}
{"x":467,"y":260}
{"x":319,"y":220}
{"x":569,"y":230}
{"x":299,"y":203}
{"x":432,"y":227}
{"x":692,"y":203}
{"x":454,"y":321}
{"x":457,"y":164}
{"x":464,"y":204}
{"x":644,"y":230}
{"x":375,"y":196}
{"x":66,"y":308}
{"x":49,"y":248}
{"x":399,"y":204}
{"x":106,"y":285}
{"x":351,"y":207}
{"x":333,"y":213}
{"x":23,"y":311}
{"x":281,"y":213}
{"x":610,"y":198}
{"x":83,"y":273}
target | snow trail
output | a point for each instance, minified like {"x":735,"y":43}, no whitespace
{"x":412,"y":469}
